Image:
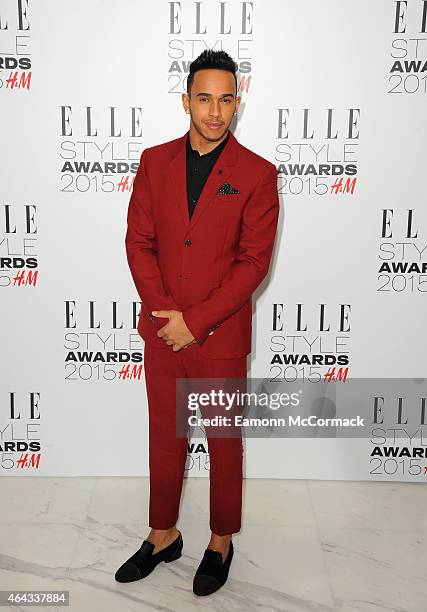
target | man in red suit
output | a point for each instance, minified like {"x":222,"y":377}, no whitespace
{"x":202,"y":222}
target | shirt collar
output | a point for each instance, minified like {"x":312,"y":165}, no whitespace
{"x":214,"y":153}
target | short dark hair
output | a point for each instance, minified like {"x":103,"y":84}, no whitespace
{"x":212,"y":59}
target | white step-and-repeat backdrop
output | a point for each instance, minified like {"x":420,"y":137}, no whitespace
{"x":334,"y":93}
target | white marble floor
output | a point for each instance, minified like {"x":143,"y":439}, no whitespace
{"x":305,"y":546}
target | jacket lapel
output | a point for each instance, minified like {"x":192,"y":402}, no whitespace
{"x":219,"y":174}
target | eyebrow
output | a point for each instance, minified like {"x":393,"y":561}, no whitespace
{"x":220,"y":96}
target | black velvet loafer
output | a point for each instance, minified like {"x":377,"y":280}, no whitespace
{"x":142,"y":563}
{"x":212,"y":572}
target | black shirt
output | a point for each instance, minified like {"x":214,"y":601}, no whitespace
{"x":198,"y":170}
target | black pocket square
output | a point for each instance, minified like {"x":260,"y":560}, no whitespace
{"x":226,"y":188}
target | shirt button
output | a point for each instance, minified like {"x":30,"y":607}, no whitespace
{"x":187,"y":242}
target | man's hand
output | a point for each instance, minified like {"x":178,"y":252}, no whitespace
{"x":176,"y":332}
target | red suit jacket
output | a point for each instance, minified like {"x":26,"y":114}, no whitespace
{"x":208,"y":266}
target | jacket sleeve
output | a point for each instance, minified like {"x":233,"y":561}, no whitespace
{"x":141,"y":248}
{"x":258,"y":231}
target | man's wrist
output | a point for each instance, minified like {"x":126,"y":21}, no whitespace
{"x":197,"y":327}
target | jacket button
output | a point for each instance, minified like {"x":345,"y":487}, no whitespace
{"x":187,"y":242}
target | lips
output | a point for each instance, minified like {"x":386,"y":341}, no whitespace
{"x":214,"y":126}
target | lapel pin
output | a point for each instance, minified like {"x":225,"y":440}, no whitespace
{"x":219,"y":171}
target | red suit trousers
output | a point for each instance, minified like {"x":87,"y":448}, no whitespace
{"x":168,"y":453}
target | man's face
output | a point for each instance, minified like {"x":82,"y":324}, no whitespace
{"x":212,"y":102}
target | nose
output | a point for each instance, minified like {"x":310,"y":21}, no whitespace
{"x":214,"y":109}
